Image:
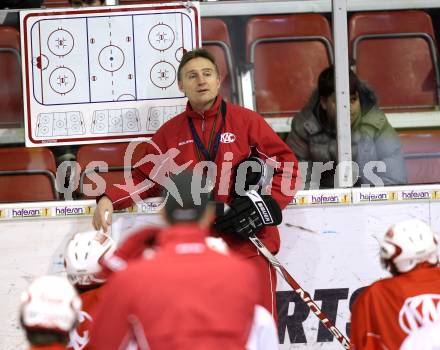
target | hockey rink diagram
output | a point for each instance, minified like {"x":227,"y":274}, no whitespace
{"x":159,"y":115}
{"x":60,"y":124}
{"x":93,"y":76}
{"x":115,"y":120}
{"x":92,"y":60}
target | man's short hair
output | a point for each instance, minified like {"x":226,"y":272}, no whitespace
{"x":326,"y":82}
{"x":45,"y":337}
{"x":190,"y":55}
{"x":190,"y":203}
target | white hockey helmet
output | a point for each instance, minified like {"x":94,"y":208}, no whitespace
{"x":50,"y":303}
{"x":82,"y":256}
{"x":408,"y":243}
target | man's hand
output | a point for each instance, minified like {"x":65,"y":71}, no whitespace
{"x":100,"y":219}
{"x":247,"y":215}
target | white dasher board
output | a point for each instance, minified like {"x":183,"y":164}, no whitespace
{"x":103,"y":74}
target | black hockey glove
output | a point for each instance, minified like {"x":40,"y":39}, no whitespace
{"x":247,"y":215}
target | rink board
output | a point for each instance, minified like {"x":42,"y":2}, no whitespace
{"x":103,"y":74}
{"x":331,"y":250}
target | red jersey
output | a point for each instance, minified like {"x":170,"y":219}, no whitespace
{"x":80,"y":337}
{"x":243,"y":134}
{"x":388,"y":310}
{"x":135,"y":246}
{"x":49,"y":347}
{"x":186,"y":296}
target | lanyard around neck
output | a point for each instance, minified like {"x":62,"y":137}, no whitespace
{"x":199,"y":144}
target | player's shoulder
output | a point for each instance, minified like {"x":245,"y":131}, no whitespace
{"x":384,"y":284}
{"x":169,"y":129}
{"x":374,"y":290}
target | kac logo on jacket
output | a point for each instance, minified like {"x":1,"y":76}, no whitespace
{"x":227,"y":137}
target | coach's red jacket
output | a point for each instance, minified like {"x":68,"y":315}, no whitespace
{"x":243,"y":133}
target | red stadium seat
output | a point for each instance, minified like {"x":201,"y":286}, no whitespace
{"x":395,"y":52}
{"x":111,"y":153}
{"x":422,"y":155}
{"x":215,"y":39}
{"x":11,"y":96}
{"x":27,"y":174}
{"x":287,"y":54}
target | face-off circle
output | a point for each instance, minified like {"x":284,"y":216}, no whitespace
{"x":60,"y":124}
{"x":60,"y":42}
{"x":74,"y":118}
{"x":45,"y":119}
{"x":111,"y":58}
{"x":155,"y":124}
{"x":100,"y":127}
{"x":75,"y":128}
{"x":62,"y":80}
{"x":131,"y":121}
{"x":43,"y":125}
{"x":155,"y":113}
{"x":163,"y":74}
{"x":179,"y":54}
{"x":132,"y":126}
{"x":115,"y":121}
{"x":100,"y":116}
{"x":161,"y":37}
{"x":43,"y":131}
{"x":130,"y":115}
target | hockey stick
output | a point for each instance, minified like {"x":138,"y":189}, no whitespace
{"x":301,"y":292}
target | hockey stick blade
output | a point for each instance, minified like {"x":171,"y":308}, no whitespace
{"x":345,"y":342}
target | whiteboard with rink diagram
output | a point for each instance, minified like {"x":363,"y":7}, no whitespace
{"x":104,"y":74}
